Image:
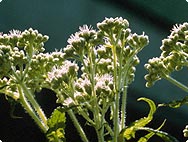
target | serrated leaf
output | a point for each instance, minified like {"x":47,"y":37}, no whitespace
{"x":151,"y":134}
{"x":130,"y":131}
{"x":176,"y":104}
{"x":165,"y":136}
{"x":56,"y":125}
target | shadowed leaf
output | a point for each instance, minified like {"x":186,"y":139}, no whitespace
{"x":56,"y":125}
{"x":176,"y":104}
{"x":130,"y":131}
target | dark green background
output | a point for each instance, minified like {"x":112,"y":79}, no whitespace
{"x":60,"y":18}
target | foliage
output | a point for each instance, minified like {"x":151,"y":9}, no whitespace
{"x":130,"y":131}
{"x":88,"y":76}
{"x":174,"y":57}
{"x":56,"y":125}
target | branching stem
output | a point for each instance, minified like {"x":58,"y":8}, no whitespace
{"x":77,"y":125}
{"x":30,"y":110}
{"x":177,"y":83}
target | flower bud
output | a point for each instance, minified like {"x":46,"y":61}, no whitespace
{"x":149,"y":84}
{"x":178,"y":67}
{"x":144,"y":40}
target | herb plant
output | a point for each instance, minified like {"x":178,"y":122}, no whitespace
{"x":90,"y":77}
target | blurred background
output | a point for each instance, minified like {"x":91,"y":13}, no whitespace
{"x":60,"y":18}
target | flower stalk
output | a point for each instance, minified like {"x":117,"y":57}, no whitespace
{"x":89,"y":76}
{"x":78,"y":126}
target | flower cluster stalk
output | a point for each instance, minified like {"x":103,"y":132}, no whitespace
{"x":89,"y":76}
{"x":78,"y":126}
{"x":176,"y":83}
{"x":30,"y":104}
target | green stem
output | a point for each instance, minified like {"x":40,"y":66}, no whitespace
{"x":27,"y":95}
{"x":116,"y":84}
{"x":34,"y":103}
{"x":30,"y":110}
{"x":77,"y":125}
{"x":121,"y":86}
{"x":108,"y":128}
{"x":177,"y":83}
{"x":123,"y":108}
{"x":101,"y":129}
{"x":124,"y":85}
{"x":85,"y":116}
{"x":97,"y":116}
{"x":117,"y":94}
{"x":95,"y":110}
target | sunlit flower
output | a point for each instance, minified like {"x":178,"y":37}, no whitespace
{"x":86,"y":31}
{"x":64,"y":71}
{"x":104,"y":82}
{"x":15,"y":33}
{"x":86,"y":28}
{"x":74,"y":38}
{"x":175,"y":28}
{"x":68,"y":102}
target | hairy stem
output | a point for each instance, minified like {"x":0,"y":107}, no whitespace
{"x":123,"y":107}
{"x":34,"y":103}
{"x":77,"y":125}
{"x":116,"y":107}
{"x":30,"y":110}
{"x":96,"y":113}
{"x":29,"y":97}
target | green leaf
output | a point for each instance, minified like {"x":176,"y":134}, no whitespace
{"x":56,"y":125}
{"x":165,"y":136}
{"x":176,"y":104}
{"x":151,"y":134}
{"x":130,"y":131}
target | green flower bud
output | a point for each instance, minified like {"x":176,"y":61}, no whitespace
{"x":3,"y":82}
{"x":131,"y":78}
{"x":39,"y":37}
{"x":185,"y":131}
{"x":178,"y":68}
{"x":143,"y":40}
{"x":135,"y":61}
{"x":45,"y":38}
{"x":69,"y":52}
{"x":167,"y":42}
{"x":101,"y":51}
{"x":149,"y":84}
{"x":147,"y":77}
{"x":132,"y":42}
{"x":125,"y":34}
{"x":127,"y":50}
{"x":116,"y":25}
{"x":135,"y":38}
{"x":103,"y":64}
{"x":4,"y":39}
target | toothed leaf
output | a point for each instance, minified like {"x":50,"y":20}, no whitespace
{"x":165,"y":136}
{"x":151,"y":134}
{"x":56,"y":125}
{"x":176,"y":104}
{"x":130,"y":131}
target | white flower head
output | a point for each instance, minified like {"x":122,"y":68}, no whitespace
{"x":65,"y":70}
{"x":68,"y":102}
{"x":15,"y":33}
{"x":103,"y":82}
{"x":74,"y":38}
{"x":86,"y":29}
